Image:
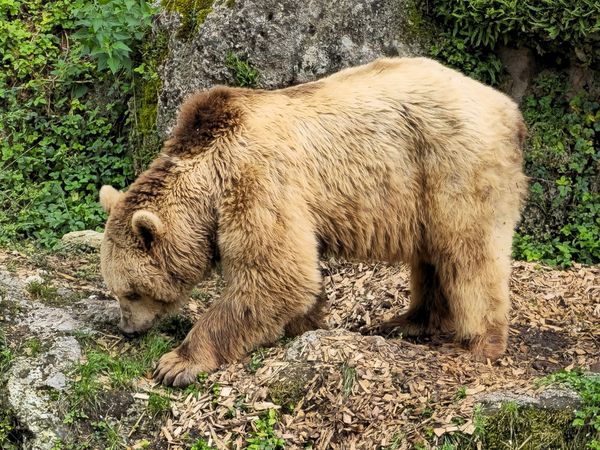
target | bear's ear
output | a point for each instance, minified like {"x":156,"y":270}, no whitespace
{"x":147,"y":226}
{"x":109,"y":197}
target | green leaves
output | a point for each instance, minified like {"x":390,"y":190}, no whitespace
{"x":481,"y":65}
{"x":562,"y":157}
{"x":551,"y":26}
{"x":244,"y":75}
{"x":263,"y":436}
{"x":108,"y":30}
{"x":60,"y":140}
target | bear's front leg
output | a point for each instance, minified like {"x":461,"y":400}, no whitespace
{"x":236,"y":324}
{"x":272,"y":279}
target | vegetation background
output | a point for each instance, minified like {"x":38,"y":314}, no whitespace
{"x":78,"y":93}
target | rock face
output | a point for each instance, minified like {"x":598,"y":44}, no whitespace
{"x":287,"y":41}
{"x":31,"y":379}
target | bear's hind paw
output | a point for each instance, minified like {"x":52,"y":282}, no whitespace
{"x":402,"y":326}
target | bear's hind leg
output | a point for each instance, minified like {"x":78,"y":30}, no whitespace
{"x":428,"y":311}
{"x":478,"y":299}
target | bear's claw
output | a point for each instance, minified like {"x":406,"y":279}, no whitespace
{"x":174,"y":370}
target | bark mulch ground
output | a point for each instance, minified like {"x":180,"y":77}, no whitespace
{"x":344,"y":389}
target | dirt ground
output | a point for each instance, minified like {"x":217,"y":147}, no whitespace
{"x":347,"y":388}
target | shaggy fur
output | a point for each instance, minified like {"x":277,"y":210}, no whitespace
{"x":397,"y":160}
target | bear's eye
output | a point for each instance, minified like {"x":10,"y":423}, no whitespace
{"x":132,"y":296}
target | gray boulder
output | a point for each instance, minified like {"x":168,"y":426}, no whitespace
{"x":89,"y":239}
{"x":287,"y":41}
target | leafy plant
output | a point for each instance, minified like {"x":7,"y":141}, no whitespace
{"x":480,"y":64}
{"x":263,"y":436}
{"x":64,"y":119}
{"x":158,"y":404}
{"x":108,"y":30}
{"x":559,"y":26}
{"x":562,"y":157}
{"x":201,"y":444}
{"x":244,"y":75}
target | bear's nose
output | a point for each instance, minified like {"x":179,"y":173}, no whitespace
{"x":126,"y":329}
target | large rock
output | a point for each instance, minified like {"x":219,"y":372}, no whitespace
{"x":531,"y":421}
{"x":31,"y":384}
{"x":287,"y":41}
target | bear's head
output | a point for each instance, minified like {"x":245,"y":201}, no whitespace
{"x":160,"y":239}
{"x":154,"y":251}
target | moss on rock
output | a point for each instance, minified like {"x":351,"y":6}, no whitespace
{"x":145,"y":136}
{"x":291,"y":388}
{"x":530,"y":428}
{"x":193,"y":14}
{"x":417,"y":29}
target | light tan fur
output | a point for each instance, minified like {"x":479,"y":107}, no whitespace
{"x":397,"y":160}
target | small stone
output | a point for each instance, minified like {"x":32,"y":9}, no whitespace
{"x":33,"y":279}
{"x":57,"y":381}
{"x":86,"y":239}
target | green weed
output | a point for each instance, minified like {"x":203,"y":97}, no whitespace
{"x":348,"y":379}
{"x":201,"y":444}
{"x":263,"y":437}
{"x":461,"y":393}
{"x":244,"y":75}
{"x":118,"y":370}
{"x":43,"y":291}
{"x":106,"y":433}
{"x":33,"y":347}
{"x":257,"y":360}
{"x":158,"y":404}
{"x":6,"y":354}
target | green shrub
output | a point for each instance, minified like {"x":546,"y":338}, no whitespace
{"x":559,"y":26}
{"x":477,"y":63}
{"x":64,"y":118}
{"x":263,"y":436}
{"x":562,"y":158}
{"x":107,"y":30}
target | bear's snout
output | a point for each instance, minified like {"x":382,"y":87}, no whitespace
{"x":131,"y":324}
{"x":130,"y":330}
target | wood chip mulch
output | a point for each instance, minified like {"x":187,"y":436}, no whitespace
{"x":360,"y":391}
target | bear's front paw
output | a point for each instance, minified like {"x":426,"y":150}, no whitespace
{"x":178,"y":371}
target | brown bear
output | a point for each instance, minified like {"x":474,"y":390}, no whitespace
{"x":397,"y":160}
